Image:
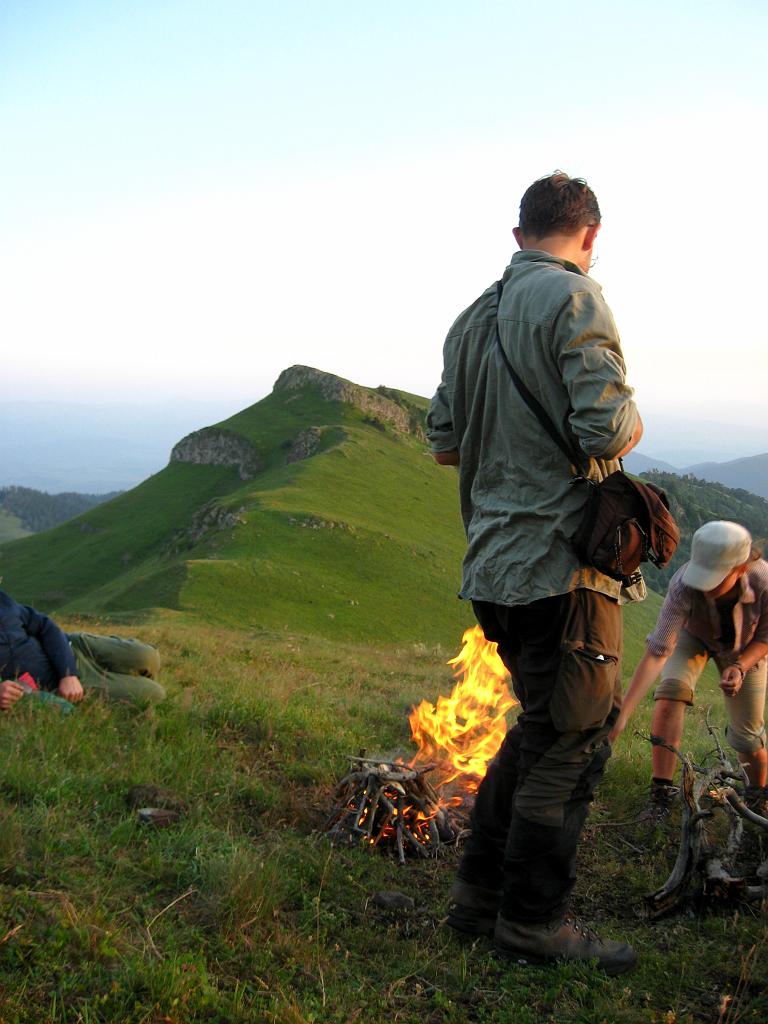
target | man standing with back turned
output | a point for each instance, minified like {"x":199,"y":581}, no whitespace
{"x":557,"y":622}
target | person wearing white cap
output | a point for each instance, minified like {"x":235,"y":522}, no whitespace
{"x":716,"y":607}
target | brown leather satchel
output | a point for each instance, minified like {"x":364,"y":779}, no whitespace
{"x":626,"y":521}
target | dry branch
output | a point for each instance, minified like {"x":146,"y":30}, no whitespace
{"x":703,"y":792}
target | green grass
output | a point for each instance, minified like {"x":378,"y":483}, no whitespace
{"x":243,"y":912}
{"x":296,"y":635}
{"x":11,"y":527}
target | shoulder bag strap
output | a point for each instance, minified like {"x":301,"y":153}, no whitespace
{"x":533,"y":403}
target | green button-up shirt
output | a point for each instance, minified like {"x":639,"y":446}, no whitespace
{"x":519,"y":502}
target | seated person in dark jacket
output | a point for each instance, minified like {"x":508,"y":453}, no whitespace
{"x":32,"y":645}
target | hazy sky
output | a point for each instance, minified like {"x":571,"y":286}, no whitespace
{"x":195,"y":195}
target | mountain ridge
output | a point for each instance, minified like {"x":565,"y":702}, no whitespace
{"x":345,"y":525}
{"x":748,"y":473}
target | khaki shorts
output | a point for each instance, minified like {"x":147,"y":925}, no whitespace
{"x":746,"y":711}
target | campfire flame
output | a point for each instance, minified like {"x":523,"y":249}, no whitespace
{"x":394,"y":805}
{"x":461,"y":733}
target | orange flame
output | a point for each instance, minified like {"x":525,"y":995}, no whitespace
{"x":461,"y":733}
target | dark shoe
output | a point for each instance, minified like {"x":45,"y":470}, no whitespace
{"x":660,"y":804}
{"x":566,"y":939}
{"x":472,"y":909}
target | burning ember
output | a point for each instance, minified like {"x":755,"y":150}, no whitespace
{"x":391,"y":804}
{"x":461,"y":733}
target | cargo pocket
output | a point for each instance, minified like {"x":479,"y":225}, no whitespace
{"x":583,"y":693}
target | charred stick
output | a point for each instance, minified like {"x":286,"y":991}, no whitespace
{"x":431,"y":792}
{"x":414,"y":841}
{"x":375,"y":840}
{"x":399,"y":839}
{"x":363,"y":802}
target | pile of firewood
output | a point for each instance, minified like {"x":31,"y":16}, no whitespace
{"x":726,"y":870}
{"x":389,"y":805}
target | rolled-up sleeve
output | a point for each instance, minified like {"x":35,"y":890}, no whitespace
{"x":588,"y":354}
{"x":673,"y":616}
{"x":440,"y":432}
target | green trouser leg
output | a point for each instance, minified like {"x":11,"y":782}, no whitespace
{"x":120,"y":669}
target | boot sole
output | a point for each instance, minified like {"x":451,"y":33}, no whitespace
{"x":527,"y":960}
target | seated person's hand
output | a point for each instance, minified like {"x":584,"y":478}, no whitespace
{"x":10,"y":692}
{"x":71,"y":688}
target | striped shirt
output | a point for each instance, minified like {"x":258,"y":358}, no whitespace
{"x":700,"y":616}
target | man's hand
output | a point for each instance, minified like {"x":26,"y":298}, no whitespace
{"x":731,"y":680}
{"x":10,"y":692}
{"x":634,"y":441}
{"x":71,"y":688}
{"x":446,"y":458}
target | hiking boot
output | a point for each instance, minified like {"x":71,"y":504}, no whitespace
{"x":566,"y":939}
{"x":661,"y":801}
{"x":472,"y":909}
{"x":756,"y":799}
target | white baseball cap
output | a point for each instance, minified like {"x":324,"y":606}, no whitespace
{"x":717,"y":549}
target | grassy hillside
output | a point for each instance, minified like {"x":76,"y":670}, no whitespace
{"x":11,"y":527}
{"x":362,"y":540}
{"x":242,"y":912}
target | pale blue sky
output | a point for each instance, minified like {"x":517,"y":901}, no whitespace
{"x":196,"y":195}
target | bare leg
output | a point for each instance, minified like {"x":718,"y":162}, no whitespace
{"x":756,"y":764}
{"x":668,"y":722}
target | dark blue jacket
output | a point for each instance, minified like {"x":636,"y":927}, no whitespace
{"x":31,"y":642}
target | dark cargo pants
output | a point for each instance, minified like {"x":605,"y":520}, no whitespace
{"x":564,"y":655}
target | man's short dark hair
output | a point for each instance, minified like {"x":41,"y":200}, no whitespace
{"x":557,"y":204}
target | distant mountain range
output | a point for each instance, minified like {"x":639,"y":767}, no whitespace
{"x":24,"y":510}
{"x":748,"y":474}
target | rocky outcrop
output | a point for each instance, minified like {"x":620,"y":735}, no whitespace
{"x":389,"y":408}
{"x":211,"y":518}
{"x":213,"y":446}
{"x":305,"y":445}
